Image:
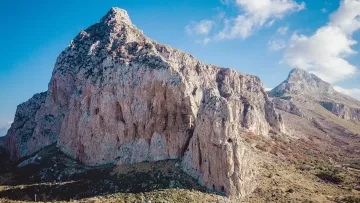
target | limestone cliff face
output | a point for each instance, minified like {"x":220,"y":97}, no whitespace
{"x":21,"y":139}
{"x":117,"y":96}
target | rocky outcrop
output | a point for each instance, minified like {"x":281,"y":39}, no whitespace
{"x":117,"y":96}
{"x":34,"y":127}
{"x":287,"y":106}
{"x":217,"y":155}
{"x":301,"y":82}
{"x":20,"y":138}
{"x":343,"y":111}
{"x":3,"y":147}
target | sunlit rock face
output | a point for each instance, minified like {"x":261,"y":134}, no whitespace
{"x":117,"y":96}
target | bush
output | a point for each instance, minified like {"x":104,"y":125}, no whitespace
{"x":351,"y":199}
{"x":330,"y":176}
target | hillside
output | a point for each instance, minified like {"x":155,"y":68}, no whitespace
{"x":127,"y":119}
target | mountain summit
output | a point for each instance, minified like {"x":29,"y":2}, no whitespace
{"x":118,"y":97}
{"x":301,"y":82}
{"x":116,"y":16}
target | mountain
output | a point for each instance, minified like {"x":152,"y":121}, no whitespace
{"x":303,"y":84}
{"x":118,"y":97}
{"x":311,"y":108}
{"x":126,"y":118}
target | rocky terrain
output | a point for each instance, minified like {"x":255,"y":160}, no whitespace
{"x":145,"y":121}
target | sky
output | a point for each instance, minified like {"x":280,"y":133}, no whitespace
{"x":266,"y":38}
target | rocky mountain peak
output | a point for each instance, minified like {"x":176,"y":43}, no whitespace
{"x":300,"y":81}
{"x":117,"y":96}
{"x":116,"y":16}
{"x":298,"y":74}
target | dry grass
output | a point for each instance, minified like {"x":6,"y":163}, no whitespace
{"x":287,"y":183}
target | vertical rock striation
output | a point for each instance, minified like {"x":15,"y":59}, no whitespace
{"x":116,"y":96}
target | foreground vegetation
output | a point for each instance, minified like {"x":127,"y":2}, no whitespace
{"x":57,"y":178}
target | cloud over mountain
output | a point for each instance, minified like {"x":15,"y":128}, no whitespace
{"x":251,"y":17}
{"x":255,"y":15}
{"x":325,"y":52}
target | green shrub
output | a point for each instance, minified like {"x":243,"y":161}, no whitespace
{"x":330,"y":176}
{"x":351,"y":199}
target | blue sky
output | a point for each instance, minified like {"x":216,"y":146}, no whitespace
{"x":260,"y":37}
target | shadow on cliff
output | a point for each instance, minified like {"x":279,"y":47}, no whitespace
{"x":57,"y":177}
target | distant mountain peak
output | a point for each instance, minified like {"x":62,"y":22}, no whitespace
{"x":298,"y":74}
{"x":300,"y":81}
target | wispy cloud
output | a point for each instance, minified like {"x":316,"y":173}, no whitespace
{"x":283,"y":30}
{"x":200,"y":28}
{"x":225,"y":2}
{"x":204,"y":41}
{"x":255,"y":15}
{"x":276,"y":45}
{"x":6,"y":125}
{"x":354,"y":92}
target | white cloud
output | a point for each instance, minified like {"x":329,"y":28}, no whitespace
{"x":204,"y":41}
{"x":324,"y":53}
{"x":257,"y":14}
{"x":324,"y":10}
{"x":283,"y":30}
{"x":6,"y":125}
{"x":347,"y":16}
{"x":225,"y":2}
{"x":354,"y":92}
{"x":203,"y":27}
{"x":276,"y":45}
{"x":268,"y":89}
